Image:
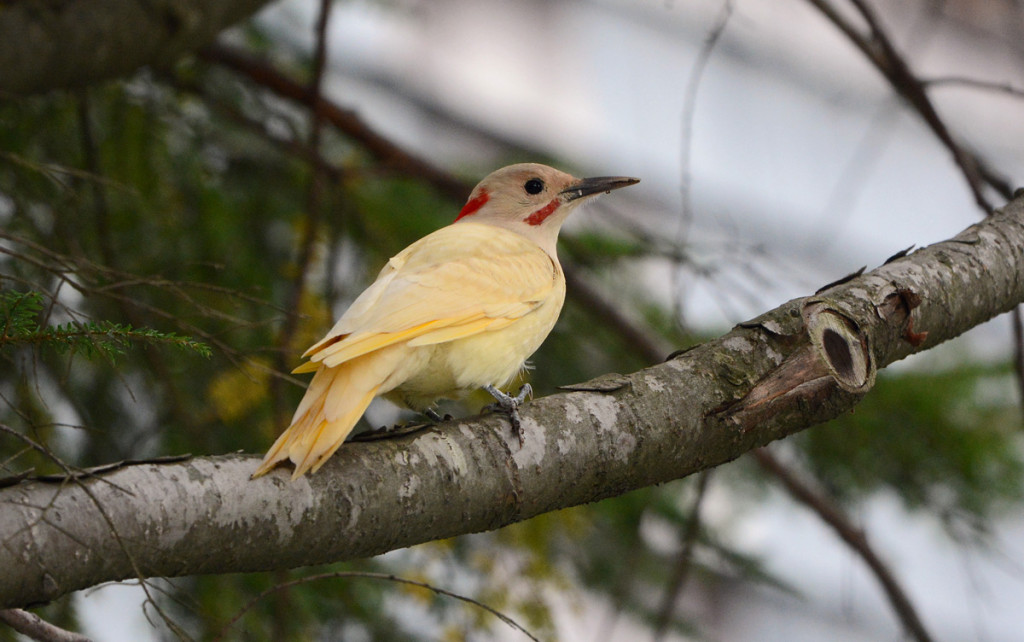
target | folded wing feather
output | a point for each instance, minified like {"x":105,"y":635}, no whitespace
{"x":457,"y":282}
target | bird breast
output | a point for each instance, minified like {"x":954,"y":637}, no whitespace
{"x":451,"y":369}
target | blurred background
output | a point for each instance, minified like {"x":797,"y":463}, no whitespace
{"x":207,"y":200}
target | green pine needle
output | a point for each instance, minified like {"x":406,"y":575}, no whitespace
{"x":19,"y":312}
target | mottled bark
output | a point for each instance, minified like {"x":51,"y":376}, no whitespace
{"x":801,"y":364}
{"x":62,"y":44}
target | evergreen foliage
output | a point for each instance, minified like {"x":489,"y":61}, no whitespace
{"x":19,"y":312}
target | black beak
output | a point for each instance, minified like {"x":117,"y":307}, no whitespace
{"x":596,"y":185}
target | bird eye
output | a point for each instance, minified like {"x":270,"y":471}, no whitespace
{"x":534,"y":186}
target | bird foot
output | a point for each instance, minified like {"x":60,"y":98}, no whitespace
{"x":390,"y":432}
{"x":506,"y":403}
{"x":399,"y":430}
{"x":436,"y":418}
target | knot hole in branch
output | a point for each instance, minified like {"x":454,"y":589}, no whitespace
{"x":841,"y":346}
{"x":838,"y":352}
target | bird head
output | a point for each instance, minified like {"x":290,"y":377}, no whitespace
{"x":534,"y":200}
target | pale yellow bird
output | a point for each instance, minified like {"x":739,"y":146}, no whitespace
{"x":462,"y":308}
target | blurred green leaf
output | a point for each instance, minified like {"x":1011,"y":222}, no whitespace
{"x":947,"y":442}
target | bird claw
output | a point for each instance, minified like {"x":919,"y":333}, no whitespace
{"x":506,"y":403}
{"x":390,"y":432}
{"x":400,"y":430}
{"x":436,"y":418}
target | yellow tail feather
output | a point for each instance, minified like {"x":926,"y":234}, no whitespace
{"x":310,"y":454}
{"x":318,"y":428}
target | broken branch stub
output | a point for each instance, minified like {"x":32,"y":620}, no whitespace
{"x":841,"y":347}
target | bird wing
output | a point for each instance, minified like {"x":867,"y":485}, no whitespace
{"x":458,"y":281}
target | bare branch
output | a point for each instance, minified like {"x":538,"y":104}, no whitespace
{"x":89,"y":495}
{"x":882,"y":53}
{"x":346,"y":120}
{"x":684,"y":563}
{"x":372,"y":576}
{"x":690,"y":93}
{"x":974,"y":83}
{"x":1017,"y":319}
{"x":314,"y":216}
{"x":854,"y":537}
{"x":801,"y":364}
{"x":35,"y":627}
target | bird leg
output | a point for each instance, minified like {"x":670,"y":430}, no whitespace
{"x":509,"y":405}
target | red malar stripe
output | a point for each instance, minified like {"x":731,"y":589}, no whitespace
{"x":474,"y":204}
{"x":538,"y":217}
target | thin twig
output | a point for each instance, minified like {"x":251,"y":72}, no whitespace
{"x":289,"y":145}
{"x":346,"y":120}
{"x":373,"y":576}
{"x":101,"y":211}
{"x":882,"y":53}
{"x":974,"y":83}
{"x":36,"y":628}
{"x":603,"y":310}
{"x":91,"y":156}
{"x":304,"y":262}
{"x":315,"y":189}
{"x":685,"y":561}
{"x":686,"y":143}
{"x":853,"y":536}
{"x":73,"y":476}
{"x":314,"y":209}
{"x":90,"y":278}
{"x":1017,"y":320}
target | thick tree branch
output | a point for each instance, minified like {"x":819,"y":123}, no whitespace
{"x":72,"y":43}
{"x":801,"y":364}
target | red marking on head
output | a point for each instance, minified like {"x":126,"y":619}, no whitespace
{"x":474,"y":204}
{"x":538,"y":217}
